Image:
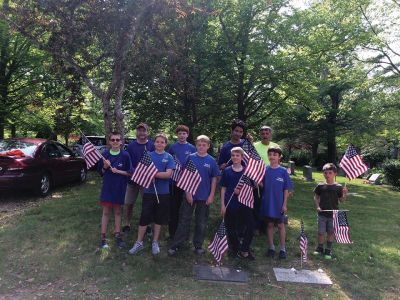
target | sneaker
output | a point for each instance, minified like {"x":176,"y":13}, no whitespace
{"x":103,"y":244}
{"x":172,"y":251}
{"x":120,"y":243}
{"x":155,"y":248}
{"x":249,"y":256}
{"x":199,"y":251}
{"x":270,"y":253}
{"x":138,"y":246}
{"x":318,"y":251}
{"x":282,"y":254}
{"x":328,"y":254}
{"x":126,"y":229}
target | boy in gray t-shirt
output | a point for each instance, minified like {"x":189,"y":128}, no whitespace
{"x":326,"y":197}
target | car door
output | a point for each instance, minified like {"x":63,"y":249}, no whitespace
{"x":72,"y":165}
{"x":50,"y":159}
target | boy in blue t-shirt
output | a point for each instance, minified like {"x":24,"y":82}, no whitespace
{"x":180,"y":150}
{"x":200,"y":201}
{"x":276,"y":185}
{"x":115,"y":167}
{"x":156,"y":209}
{"x":237,"y":131}
{"x":238,"y":217}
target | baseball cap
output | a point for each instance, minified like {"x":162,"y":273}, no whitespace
{"x":264,"y":127}
{"x":142,"y":125}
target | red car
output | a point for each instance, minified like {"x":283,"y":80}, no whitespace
{"x":38,"y":164}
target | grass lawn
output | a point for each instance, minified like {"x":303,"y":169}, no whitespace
{"x":49,"y":251}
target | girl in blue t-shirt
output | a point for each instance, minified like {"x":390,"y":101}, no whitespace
{"x":155,"y":204}
{"x":115,"y":167}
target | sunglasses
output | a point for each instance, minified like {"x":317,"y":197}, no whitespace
{"x":115,"y":140}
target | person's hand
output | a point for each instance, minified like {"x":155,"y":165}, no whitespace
{"x":261,"y":185}
{"x":290,"y":194}
{"x":106,"y":164}
{"x":223,"y":166}
{"x":189,"y":198}
{"x":236,"y":191}
{"x":345,"y":191}
{"x":210,"y":200}
{"x":223,"y":211}
{"x":250,"y":138}
{"x":114,"y":170}
{"x":318,"y":209}
{"x":284,"y":209}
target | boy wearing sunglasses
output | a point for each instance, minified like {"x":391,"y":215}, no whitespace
{"x":115,"y":168}
{"x":326,"y":197}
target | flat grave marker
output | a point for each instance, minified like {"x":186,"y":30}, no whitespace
{"x":302,"y":276}
{"x":220,"y":274}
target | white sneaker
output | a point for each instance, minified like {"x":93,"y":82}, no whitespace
{"x":155,"y":248}
{"x":138,"y":246}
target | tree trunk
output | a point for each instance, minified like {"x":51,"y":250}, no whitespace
{"x":240,"y":93}
{"x":119,"y":116}
{"x":314,"y":152}
{"x":331,"y":126}
{"x":2,"y":121}
{"x":13,"y":131}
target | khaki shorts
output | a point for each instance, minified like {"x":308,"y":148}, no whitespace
{"x":132,"y":193}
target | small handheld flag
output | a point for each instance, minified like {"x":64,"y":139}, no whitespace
{"x":255,"y":166}
{"x":177,"y":171}
{"x":352,"y":163}
{"x":90,"y":153}
{"x":303,"y":243}
{"x":246,"y":191}
{"x":190,"y":178}
{"x":145,"y":171}
{"x":341,"y":227}
{"x":220,"y":243}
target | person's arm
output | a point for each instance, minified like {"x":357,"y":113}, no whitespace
{"x":344,"y":194}
{"x":285,"y":197}
{"x":223,"y":208}
{"x":189,"y":198}
{"x":164,"y":175}
{"x":212,"y":192}
{"x":316,"y":202}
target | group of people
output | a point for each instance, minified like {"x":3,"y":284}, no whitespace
{"x":164,"y":203}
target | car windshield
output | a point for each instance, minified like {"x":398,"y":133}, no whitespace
{"x":14,"y":148}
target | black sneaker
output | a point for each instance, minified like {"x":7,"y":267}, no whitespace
{"x":328,"y":254}
{"x":282,"y":254}
{"x":119,"y":242}
{"x":249,"y":256}
{"x":126,"y":229}
{"x":270,"y":253}
{"x":318,"y":251}
{"x":103,"y":244}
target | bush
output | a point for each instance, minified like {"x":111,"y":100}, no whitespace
{"x":301,"y":157}
{"x":375,"y":154}
{"x":391,"y":169}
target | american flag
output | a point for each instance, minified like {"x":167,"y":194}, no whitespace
{"x":91,"y":154}
{"x":303,"y":243}
{"x":352,"y":164}
{"x":177,"y":172}
{"x":246,"y":191}
{"x":255,"y":166}
{"x":190,"y":178}
{"x":220,"y":243}
{"x":145,"y":171}
{"x":341,"y":227}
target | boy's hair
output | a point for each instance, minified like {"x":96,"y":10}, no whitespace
{"x":329,"y":167}
{"x":161,"y":135}
{"x":275,"y":150}
{"x":237,"y":150}
{"x":203,"y":138}
{"x":182,"y":128}
{"x":114,"y":133}
{"x":238,"y":123}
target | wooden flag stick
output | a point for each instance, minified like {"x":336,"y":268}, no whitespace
{"x":155,"y":189}
{"x":335,"y":209}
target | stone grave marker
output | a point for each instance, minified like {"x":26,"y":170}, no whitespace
{"x":302,"y":276}
{"x":220,"y":274}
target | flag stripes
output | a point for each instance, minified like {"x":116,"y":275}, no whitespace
{"x":255,"y":166}
{"x":246,"y":191}
{"x":220,"y":243}
{"x":177,"y":172}
{"x":90,"y":153}
{"x":145,"y":171}
{"x":352,"y":163}
{"x":341,"y":227}
{"x":303,"y":243}
{"x":190,"y":178}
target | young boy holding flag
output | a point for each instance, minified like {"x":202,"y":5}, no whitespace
{"x":199,"y":180}
{"x":326,"y":197}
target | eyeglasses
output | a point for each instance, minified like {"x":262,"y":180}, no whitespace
{"x":115,"y":140}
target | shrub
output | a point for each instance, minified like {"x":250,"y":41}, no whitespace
{"x":301,"y":157}
{"x":391,"y":169}
{"x":375,"y":154}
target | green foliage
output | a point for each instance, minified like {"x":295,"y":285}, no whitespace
{"x":375,"y":153}
{"x":301,"y":157}
{"x":391,"y":169}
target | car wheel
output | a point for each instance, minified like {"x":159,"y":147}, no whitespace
{"x":44,"y":185}
{"x":82,"y":175}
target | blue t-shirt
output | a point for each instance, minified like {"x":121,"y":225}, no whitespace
{"x":229,"y":180}
{"x":207,"y":168}
{"x":163,"y":162}
{"x":276,"y":181}
{"x":225,"y":154}
{"x":114,"y":185}
{"x":136,"y":150}
{"x":181,"y":151}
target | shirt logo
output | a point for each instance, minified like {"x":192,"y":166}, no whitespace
{"x":120,"y":165}
{"x":207,"y":165}
{"x":187,"y":152}
{"x":279,"y":179}
{"x":164,"y":160}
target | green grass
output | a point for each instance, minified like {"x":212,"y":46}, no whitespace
{"x":50,"y":251}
